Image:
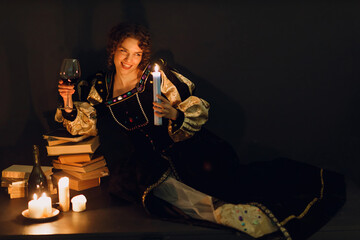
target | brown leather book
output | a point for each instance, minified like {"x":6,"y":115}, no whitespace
{"x":22,"y":171}
{"x":100,"y":172}
{"x":75,"y":183}
{"x":88,"y":145}
{"x":81,"y":167}
{"x":75,"y":158}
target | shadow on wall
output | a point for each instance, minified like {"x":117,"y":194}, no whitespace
{"x":21,"y":151}
{"x":227,"y":118}
{"x":91,"y":63}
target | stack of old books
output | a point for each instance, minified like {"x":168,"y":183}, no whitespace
{"x":15,"y":177}
{"x":76,"y":158}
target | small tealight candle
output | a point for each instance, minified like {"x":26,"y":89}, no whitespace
{"x":78,"y":203}
{"x":64,"y":194}
{"x":157,"y":91}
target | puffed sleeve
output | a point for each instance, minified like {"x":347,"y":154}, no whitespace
{"x":83,"y":121}
{"x":193,"y":110}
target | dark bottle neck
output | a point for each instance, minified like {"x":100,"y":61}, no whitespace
{"x":36,"y":156}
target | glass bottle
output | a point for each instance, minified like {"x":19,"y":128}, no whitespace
{"x":37,"y":183}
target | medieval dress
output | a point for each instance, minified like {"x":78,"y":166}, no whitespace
{"x":180,"y":170}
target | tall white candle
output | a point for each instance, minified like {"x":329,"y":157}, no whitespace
{"x":157,"y":90}
{"x":64,"y":194}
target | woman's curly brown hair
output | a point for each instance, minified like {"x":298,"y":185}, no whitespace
{"x":125,"y":30}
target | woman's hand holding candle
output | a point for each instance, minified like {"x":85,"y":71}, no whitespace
{"x":165,"y":109}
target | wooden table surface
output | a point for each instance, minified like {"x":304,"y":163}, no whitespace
{"x":104,"y":218}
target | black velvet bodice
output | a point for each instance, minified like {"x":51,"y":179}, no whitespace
{"x":130,"y":142}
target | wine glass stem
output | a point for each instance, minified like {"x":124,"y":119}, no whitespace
{"x":67,"y":104}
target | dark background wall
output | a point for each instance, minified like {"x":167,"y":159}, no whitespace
{"x":282,"y":77}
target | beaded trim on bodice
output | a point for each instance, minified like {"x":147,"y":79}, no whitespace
{"x":138,"y":89}
{"x":129,"y":119}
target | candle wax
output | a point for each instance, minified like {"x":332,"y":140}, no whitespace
{"x":46,"y":203}
{"x":157,"y":91}
{"x":78,"y":203}
{"x":36,"y":210}
{"x":64,"y":194}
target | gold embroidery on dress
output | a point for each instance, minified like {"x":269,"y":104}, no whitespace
{"x":119,"y":101}
{"x":151,"y":187}
{"x":94,"y":97}
{"x":195,"y":116}
{"x":273,"y":219}
{"x":195,"y":109}
{"x":310,"y":204}
{"x":84,"y":123}
{"x":172,"y":166}
{"x":281,"y":224}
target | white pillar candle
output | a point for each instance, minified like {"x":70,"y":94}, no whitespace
{"x":46,"y":203}
{"x":78,"y":203}
{"x":35,"y":208}
{"x":64,"y":194}
{"x":156,"y":90}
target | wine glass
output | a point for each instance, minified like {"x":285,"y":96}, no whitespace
{"x":70,"y":73}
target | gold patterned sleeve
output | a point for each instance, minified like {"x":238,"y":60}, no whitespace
{"x":194,"y":109}
{"x":84,"y":123}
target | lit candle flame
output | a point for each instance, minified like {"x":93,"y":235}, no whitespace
{"x":35,"y":196}
{"x":156,"y":68}
{"x":43,"y":195}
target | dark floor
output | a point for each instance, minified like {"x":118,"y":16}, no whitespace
{"x":346,"y":224}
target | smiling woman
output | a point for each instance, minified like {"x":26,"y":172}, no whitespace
{"x":117,"y":36}
{"x":181,"y":170}
{"x":126,"y":60}
{"x":128,"y":55}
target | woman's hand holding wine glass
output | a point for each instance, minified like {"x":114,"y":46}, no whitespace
{"x":66,"y":91}
{"x":70,"y":73}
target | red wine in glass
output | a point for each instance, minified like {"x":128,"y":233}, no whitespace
{"x":70,"y":73}
{"x":69,"y":81}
